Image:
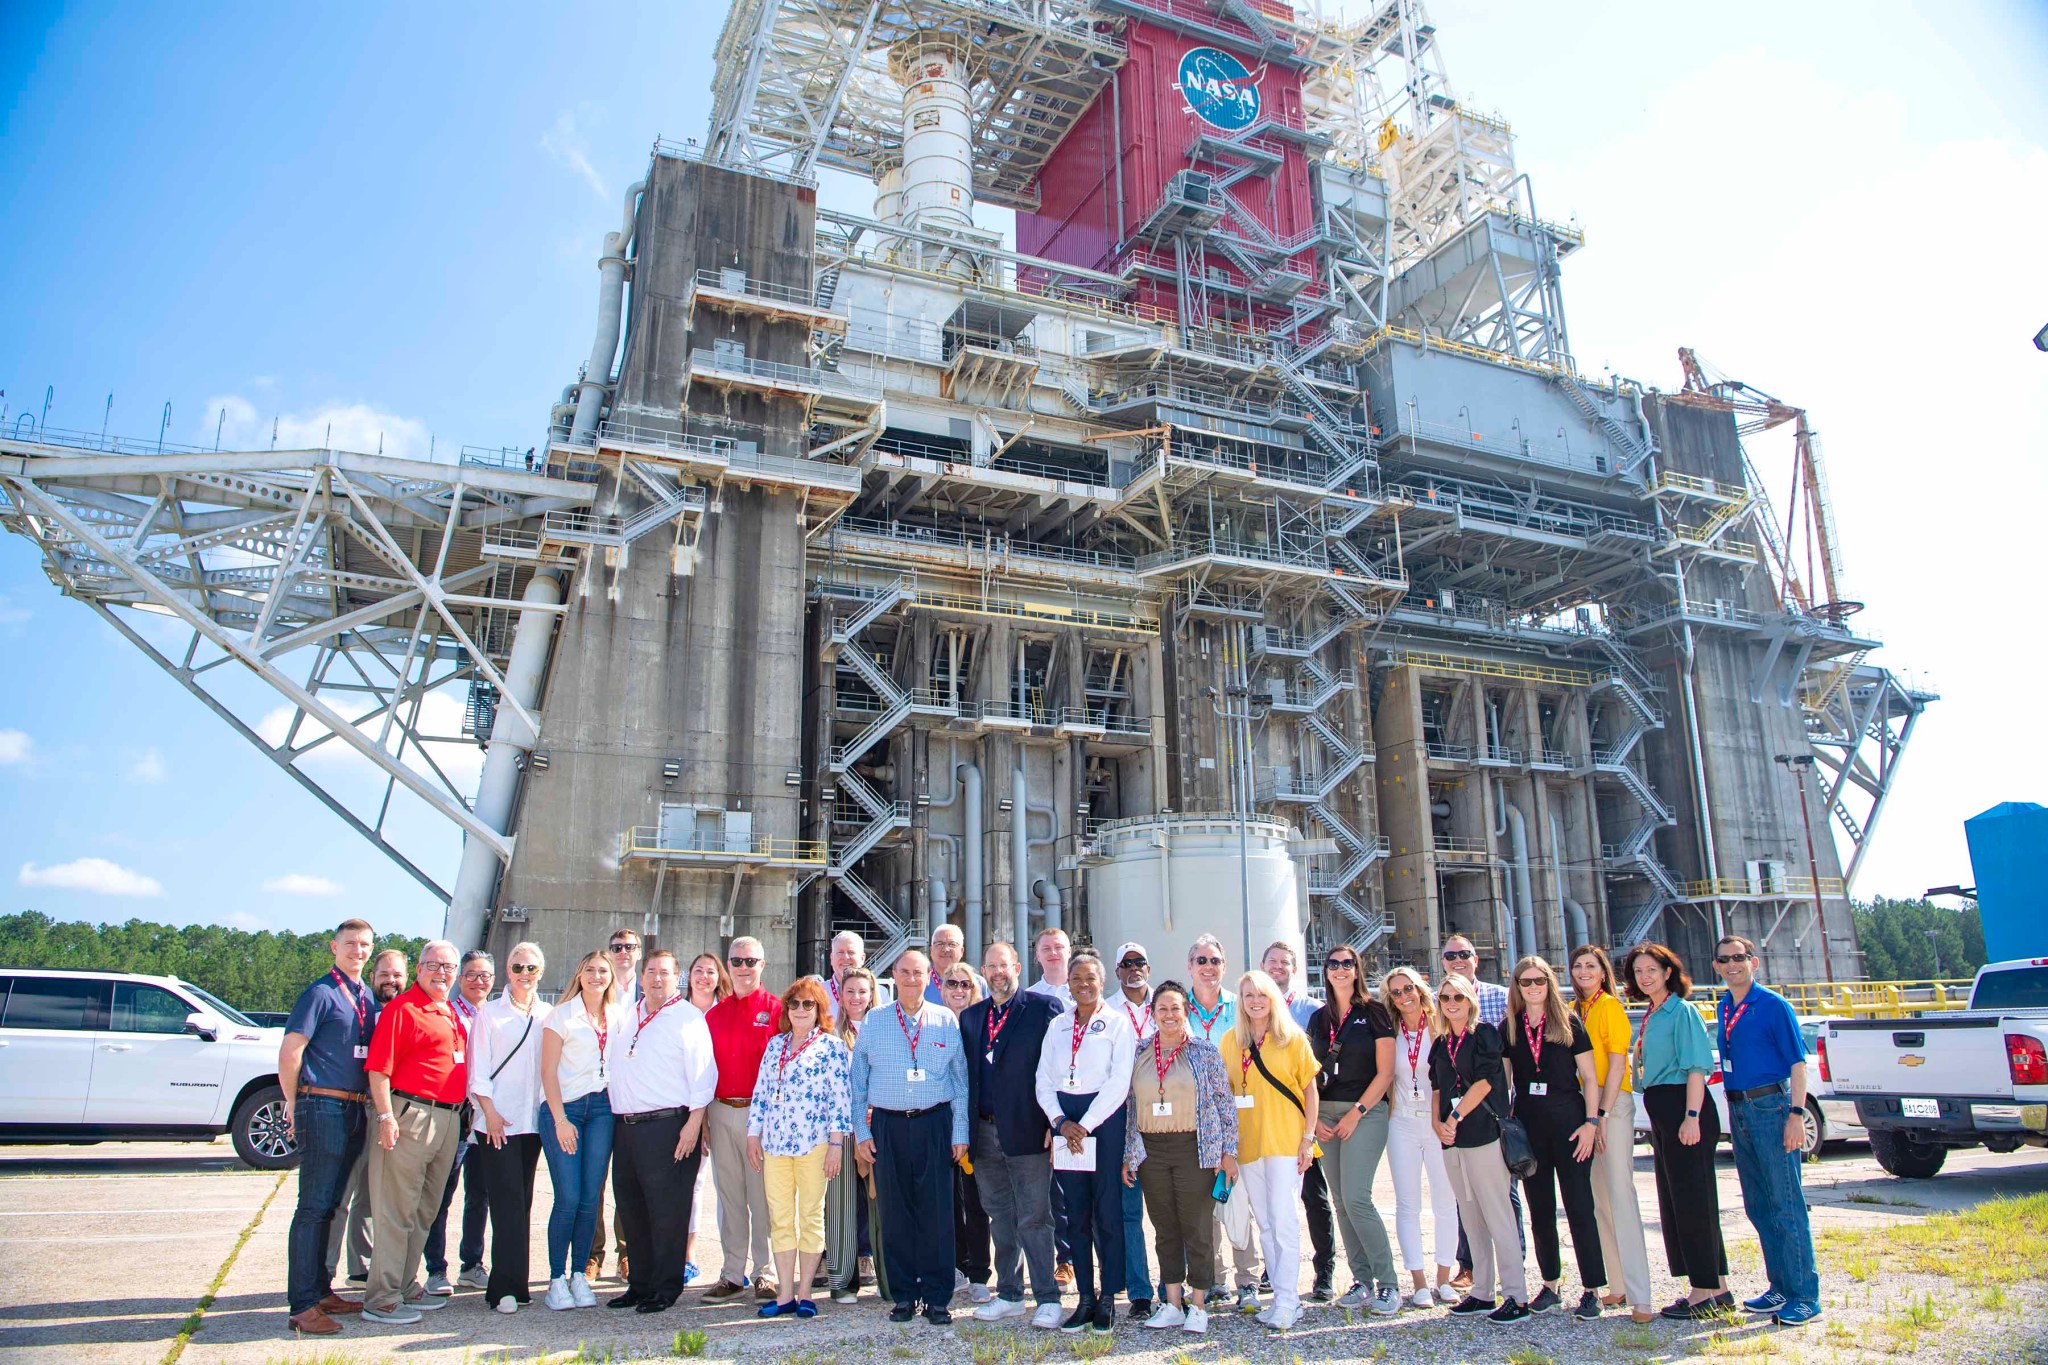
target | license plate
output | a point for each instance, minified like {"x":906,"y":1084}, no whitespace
{"x":1920,"y":1109}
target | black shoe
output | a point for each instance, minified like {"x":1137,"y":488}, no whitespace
{"x":938,"y":1316}
{"x":1545,"y":1301}
{"x":1321,"y":1293}
{"x":1083,"y":1314}
{"x":655,"y":1305}
{"x":1104,"y":1320}
{"x":1470,"y":1307}
{"x":1680,"y":1311}
{"x":1589,"y":1307}
{"x":903,"y":1312}
{"x":1140,"y":1309}
{"x":1723,"y":1302}
{"x":1265,"y":1283}
{"x":629,"y":1299}
{"x":1508,"y":1312}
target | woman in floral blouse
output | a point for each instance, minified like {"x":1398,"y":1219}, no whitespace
{"x":802,"y":1112}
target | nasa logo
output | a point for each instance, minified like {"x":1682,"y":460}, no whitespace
{"x":761,"y":1018}
{"x":1095,"y":1027}
{"x":1218,"y":89}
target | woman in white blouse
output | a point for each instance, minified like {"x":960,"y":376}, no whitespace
{"x":1412,"y":1145}
{"x":575,"y":1067}
{"x":796,"y":1126}
{"x":504,"y":1080}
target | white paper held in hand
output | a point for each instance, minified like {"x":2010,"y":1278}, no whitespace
{"x":1065,"y":1159}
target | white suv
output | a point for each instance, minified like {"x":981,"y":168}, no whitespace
{"x":111,"y":1056}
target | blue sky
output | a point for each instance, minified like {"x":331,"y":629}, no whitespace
{"x":387,"y":218}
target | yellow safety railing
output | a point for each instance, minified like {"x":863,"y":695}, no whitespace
{"x":1492,"y":668}
{"x":1437,"y":343}
{"x":646,"y":841}
{"x":1855,"y":999}
{"x":1039,"y":611}
{"x":1669,"y":482}
{"x":1718,"y":887}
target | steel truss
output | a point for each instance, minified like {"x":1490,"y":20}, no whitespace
{"x":355,"y":587}
{"x":1858,"y":739}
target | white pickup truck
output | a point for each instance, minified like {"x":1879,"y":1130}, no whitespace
{"x":1928,"y":1084}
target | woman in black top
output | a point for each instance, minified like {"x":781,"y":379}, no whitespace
{"x":1353,"y":1039}
{"x":1557,"y":1098}
{"x":1465,"y":1069}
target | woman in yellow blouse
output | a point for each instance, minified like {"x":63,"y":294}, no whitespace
{"x":1596,"y":1000}
{"x":1272,"y":1072}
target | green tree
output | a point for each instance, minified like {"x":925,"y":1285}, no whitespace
{"x":1896,"y":942}
{"x":252,"y":970}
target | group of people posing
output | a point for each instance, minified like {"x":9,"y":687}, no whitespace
{"x":1045,"y":1124}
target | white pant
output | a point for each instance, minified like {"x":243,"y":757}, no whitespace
{"x":1273,"y":1183}
{"x":1614,"y":1202}
{"x":1412,"y":1149}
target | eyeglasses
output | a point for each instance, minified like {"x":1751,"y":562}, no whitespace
{"x":1340,"y":964}
{"x":743,"y":962}
{"x":1532,"y":981}
{"x":1207,"y":961}
{"x":802,"y":1006}
{"x":1130,"y":963}
{"x":437,"y":967}
{"x":1402,"y":992}
{"x":524,"y":969}
{"x":624,"y":947}
{"x":474,"y":976}
{"x":957,"y":985}
{"x":1739,"y":957}
{"x":1451,"y":953}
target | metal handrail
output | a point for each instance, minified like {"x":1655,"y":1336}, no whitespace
{"x":1456,"y":753}
{"x":1458,"y":843}
{"x":775,"y":371}
{"x":645,"y":841}
{"x":748,"y":286}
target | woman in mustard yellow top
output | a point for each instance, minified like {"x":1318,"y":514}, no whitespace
{"x":1614,"y":1184}
{"x":1272,"y":1073}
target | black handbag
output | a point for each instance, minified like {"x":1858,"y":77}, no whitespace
{"x":1515,"y":1150}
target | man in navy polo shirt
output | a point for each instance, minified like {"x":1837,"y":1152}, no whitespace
{"x":320,"y":1068}
{"x":1763,"y":1071}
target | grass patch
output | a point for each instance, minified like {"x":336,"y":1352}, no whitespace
{"x":1091,"y":1347}
{"x":1529,"y":1355}
{"x":1634,"y":1338}
{"x":1722,"y":1346}
{"x":189,"y":1328}
{"x":691,"y":1341}
{"x":1991,"y":1244}
{"x":903,"y":1351}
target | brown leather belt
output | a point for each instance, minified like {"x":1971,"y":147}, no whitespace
{"x":354,"y":1095}
{"x":736,"y":1104}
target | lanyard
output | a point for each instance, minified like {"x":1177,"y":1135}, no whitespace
{"x":1339,"y":1027}
{"x":910,"y":1035}
{"x":646,"y":1019}
{"x":1643,"y":1036}
{"x":1454,"y":1043}
{"x":1413,"y":1043}
{"x":362,"y":1007}
{"x":997,"y":1018}
{"x":1208,"y":1019}
{"x":1163,"y":1063}
{"x":1247,"y":1054}
{"x":601,"y":1026}
{"x":1534,"y":1033}
{"x":1141,"y":1016}
{"x":782,"y":1062}
{"x":1728,"y":1024}
{"x":1074,"y":1047}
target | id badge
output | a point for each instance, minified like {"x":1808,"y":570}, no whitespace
{"x":458,"y":1056}
{"x":915,"y":1075}
{"x":1163,"y":1109}
{"x":1539,"y":1087}
{"x":1244,"y":1101}
{"x":362,"y":1052}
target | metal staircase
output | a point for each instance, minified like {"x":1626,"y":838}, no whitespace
{"x":1634,"y":448}
{"x":885,"y":817}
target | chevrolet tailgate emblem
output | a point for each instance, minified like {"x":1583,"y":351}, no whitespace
{"x":1912,"y":1059}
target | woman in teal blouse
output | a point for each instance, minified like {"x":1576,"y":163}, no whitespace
{"x":1673,"y":1058}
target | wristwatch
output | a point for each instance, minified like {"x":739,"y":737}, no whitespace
{"x":1360,"y":1107}
{"x":1603,"y":1113}
{"x":387,"y":1117}
{"x":1692,"y":1113}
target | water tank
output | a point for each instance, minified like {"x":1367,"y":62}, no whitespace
{"x":2009,"y":855}
{"x":1164,"y":880}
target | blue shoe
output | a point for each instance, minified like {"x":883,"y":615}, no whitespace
{"x":690,"y":1272}
{"x":778,"y":1310}
{"x":806,"y":1309}
{"x":1764,"y":1304}
{"x":1796,"y":1314}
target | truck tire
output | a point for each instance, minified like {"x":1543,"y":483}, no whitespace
{"x":259,"y":1133}
{"x":1905,"y":1156}
{"x":1816,"y":1135}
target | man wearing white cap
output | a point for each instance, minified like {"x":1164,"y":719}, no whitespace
{"x":1134,"y":1001}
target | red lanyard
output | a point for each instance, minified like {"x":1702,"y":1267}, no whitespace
{"x":1534,"y":1033}
{"x":1454,"y":1042}
{"x":646,"y":1019}
{"x":910,"y":1035}
{"x":362,"y":1007}
{"x":1338,"y":1028}
{"x":1414,"y":1056}
{"x":1248,"y":1053}
{"x":1074,"y":1048}
{"x":1162,"y":1063}
{"x":1728,"y":1029}
{"x":997,"y":1018}
{"x":782,"y":1063}
{"x":1209,"y":1019}
{"x":601,"y":1026}
{"x":1139,"y":1017}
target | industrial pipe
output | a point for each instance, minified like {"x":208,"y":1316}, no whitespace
{"x":969,"y":774}
{"x":1525,"y":910}
{"x":611,"y":293}
{"x":937,"y":916}
{"x":511,"y":740}
{"x":1571,"y":916}
{"x":1049,"y":900}
{"x":1020,"y":859}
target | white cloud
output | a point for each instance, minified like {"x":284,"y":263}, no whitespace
{"x":148,"y":767}
{"x":565,"y":142}
{"x":96,"y":875}
{"x":301,"y":884}
{"x":16,"y":747}
{"x":333,"y":426}
{"x":239,"y":919}
{"x":440,"y":715}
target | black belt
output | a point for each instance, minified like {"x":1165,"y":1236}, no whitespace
{"x":650,"y":1115}
{"x":913,"y":1113}
{"x":1759,"y":1091}
{"x":422,"y":1099}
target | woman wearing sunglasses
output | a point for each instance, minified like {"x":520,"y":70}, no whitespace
{"x":1413,"y":1149}
{"x":1465,"y":1068}
{"x":504,"y":1080}
{"x":796,"y":1130}
{"x":1557,"y":1098}
{"x":1353,"y":1040}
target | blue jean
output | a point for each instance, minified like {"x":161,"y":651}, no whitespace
{"x":1772,"y":1194}
{"x":330,"y":1133}
{"x":1137,"y":1270}
{"x":578,"y":1179}
{"x":475,"y":1209}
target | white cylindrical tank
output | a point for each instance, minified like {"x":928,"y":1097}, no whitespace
{"x":938,"y":137}
{"x":888,"y":207}
{"x":1165,"y":880}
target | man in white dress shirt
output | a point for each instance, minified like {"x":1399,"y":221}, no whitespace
{"x":661,"y":1083}
{"x":1084,"y":1083}
{"x":1053,"y":949}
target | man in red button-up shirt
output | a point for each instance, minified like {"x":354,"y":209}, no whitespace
{"x":418,"y":1077}
{"x":741,"y":1025}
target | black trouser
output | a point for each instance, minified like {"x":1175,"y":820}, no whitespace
{"x":1550,"y":1135}
{"x":652,"y":1192}
{"x":1688,"y":1196}
{"x":1095,"y":1203}
{"x":1322,"y":1231}
{"x":507,"y":1174}
{"x":914,"y":1195}
{"x":970,"y":1229}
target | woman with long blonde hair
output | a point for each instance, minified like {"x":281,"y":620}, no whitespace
{"x":1412,"y":1147}
{"x":1557,"y":1098}
{"x":576,"y":1054}
{"x":1272,"y":1072}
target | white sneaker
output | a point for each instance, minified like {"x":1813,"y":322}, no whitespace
{"x":1354,"y":1297}
{"x":581,"y":1292}
{"x":1265,"y":1317}
{"x":1425,"y":1297}
{"x":978,"y":1293}
{"x":843,"y":1294}
{"x":1048,"y":1316}
{"x":508,"y":1305}
{"x":1280,"y":1319}
{"x":1167,"y":1315}
{"x":560,"y":1298}
{"x":1447,"y":1295}
{"x":995,"y":1310}
{"x":1387,"y":1302}
{"x":1198,"y":1321}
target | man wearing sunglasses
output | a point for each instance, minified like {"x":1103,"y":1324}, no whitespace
{"x":741,"y":1025}
{"x":1461,"y":958}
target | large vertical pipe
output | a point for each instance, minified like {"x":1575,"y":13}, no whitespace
{"x":1020,"y":858}
{"x":1049,"y":900}
{"x":971,"y":833}
{"x":511,"y":741}
{"x":1525,"y":909}
{"x":611,"y":293}
{"x":937,"y":886}
{"x":938,"y":136}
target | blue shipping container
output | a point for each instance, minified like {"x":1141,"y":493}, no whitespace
{"x":2009,"y":855}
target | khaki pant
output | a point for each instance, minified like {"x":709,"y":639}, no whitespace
{"x":1481,"y":1179}
{"x":795,"y":1188}
{"x":405,"y":1186}
{"x":742,"y":1198}
{"x":1622,"y":1245}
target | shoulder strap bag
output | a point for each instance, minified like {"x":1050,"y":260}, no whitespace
{"x":1515,"y":1149}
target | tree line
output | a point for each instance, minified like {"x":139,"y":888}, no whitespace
{"x":251,"y":970}
{"x":1907,"y":940}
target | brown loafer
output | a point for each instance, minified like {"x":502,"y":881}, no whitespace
{"x":314,"y":1323}
{"x":723,"y":1290}
{"x":335,"y":1304}
{"x":764,"y":1289}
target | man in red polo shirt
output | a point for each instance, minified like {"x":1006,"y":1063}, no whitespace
{"x":741,"y":1025}
{"x":418,"y":1079}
